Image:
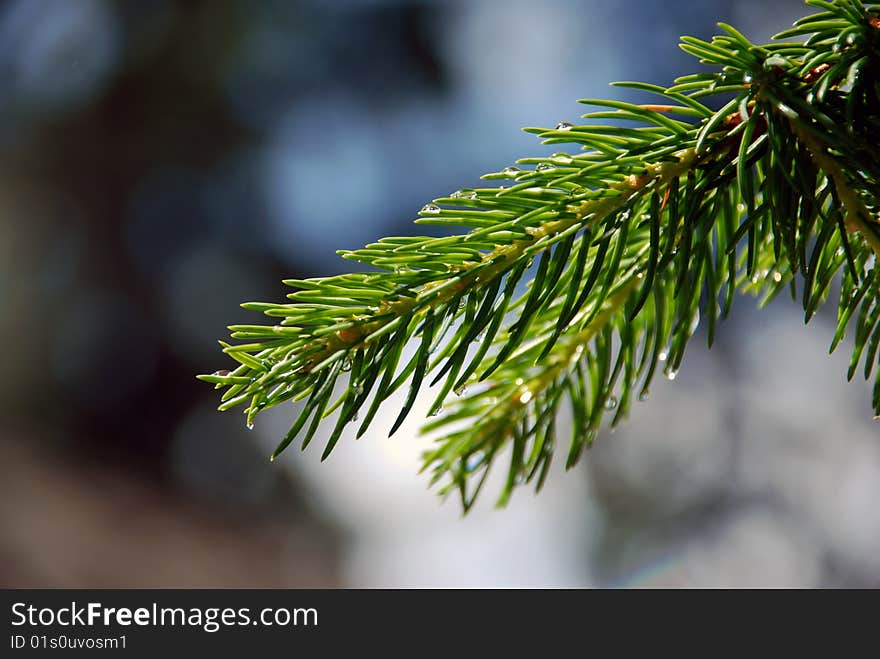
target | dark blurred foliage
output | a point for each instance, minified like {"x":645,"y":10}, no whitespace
{"x":134,"y":220}
{"x":149,"y":216}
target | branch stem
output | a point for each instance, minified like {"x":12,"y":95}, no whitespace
{"x":499,"y":260}
{"x":857,"y":215}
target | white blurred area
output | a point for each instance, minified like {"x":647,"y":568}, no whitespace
{"x":757,"y":467}
{"x":404,"y":535}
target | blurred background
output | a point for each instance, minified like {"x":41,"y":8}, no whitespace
{"x":162,"y":161}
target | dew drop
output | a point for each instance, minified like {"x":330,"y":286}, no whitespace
{"x":222,"y":373}
{"x":777,"y":277}
{"x":564,"y":125}
{"x":747,"y":78}
{"x":670,"y":375}
{"x":662,"y":356}
{"x":755,"y":279}
{"x":525,"y":396}
{"x":644,"y":395}
{"x":519,"y":382}
{"x":346,"y":365}
{"x":471,"y":195}
{"x":561,"y":158}
{"x":460,"y":391}
{"x":545,"y":167}
{"x":354,"y":417}
{"x":249,"y":425}
{"x":611,"y":403}
{"x":474,"y":461}
{"x":456,"y":195}
{"x":695,"y":322}
{"x":511,"y":171}
{"x":432,"y":209}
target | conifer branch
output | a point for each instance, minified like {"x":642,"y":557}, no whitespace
{"x":628,"y":244}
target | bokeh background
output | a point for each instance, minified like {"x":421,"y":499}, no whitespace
{"x":162,"y":161}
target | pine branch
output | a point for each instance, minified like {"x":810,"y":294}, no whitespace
{"x":647,"y":230}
